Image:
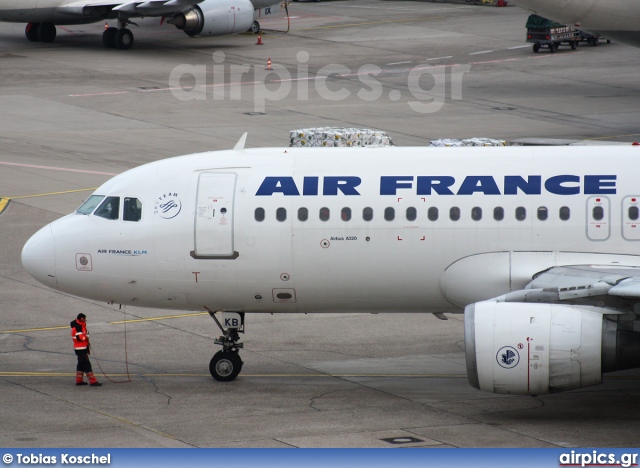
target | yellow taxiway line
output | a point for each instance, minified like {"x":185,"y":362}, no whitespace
{"x":312,"y":376}
{"x":4,"y":201}
{"x":117,"y":322}
{"x":164,"y":317}
{"x":49,"y":194}
{"x":71,"y":374}
{"x":613,"y":136}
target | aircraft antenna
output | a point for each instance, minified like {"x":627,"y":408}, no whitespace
{"x":241,"y":142}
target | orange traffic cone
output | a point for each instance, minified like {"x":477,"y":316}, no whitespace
{"x":269,"y":65}
{"x":106,"y":26}
{"x":259,"y":40}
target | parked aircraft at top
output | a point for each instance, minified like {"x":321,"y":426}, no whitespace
{"x":194,"y":17}
{"x":615,"y":19}
{"x":539,"y":247}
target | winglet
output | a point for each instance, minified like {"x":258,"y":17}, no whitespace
{"x":240,"y":145}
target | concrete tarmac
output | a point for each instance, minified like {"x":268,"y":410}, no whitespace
{"x":74,"y":113}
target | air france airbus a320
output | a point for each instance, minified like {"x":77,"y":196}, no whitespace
{"x":539,"y":246}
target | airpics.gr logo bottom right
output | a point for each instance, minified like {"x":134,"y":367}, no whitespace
{"x":624,"y":460}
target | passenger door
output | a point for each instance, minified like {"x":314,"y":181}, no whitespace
{"x":214,"y":235}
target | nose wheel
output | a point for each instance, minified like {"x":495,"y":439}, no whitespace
{"x":225,"y":366}
{"x":226,"y":363}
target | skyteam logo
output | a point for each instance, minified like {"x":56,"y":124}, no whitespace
{"x":168,"y":205}
{"x":508,"y":357}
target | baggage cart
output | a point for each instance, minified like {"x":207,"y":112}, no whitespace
{"x":548,"y":34}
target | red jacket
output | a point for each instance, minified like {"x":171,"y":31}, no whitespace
{"x":79,"y":335}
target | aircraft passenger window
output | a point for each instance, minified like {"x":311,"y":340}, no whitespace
{"x":281,"y":214}
{"x":412,"y":213}
{"x":259,"y":214}
{"x":303,"y":214}
{"x":543,"y":213}
{"x":521,"y":213}
{"x":346,"y":214}
{"x":634,"y":213}
{"x":498,"y":213}
{"x":598,"y":213}
{"x":432,"y":213}
{"x":90,"y":204}
{"x":324,"y":214}
{"x":454,"y":213}
{"x":565,"y":213}
{"x":389,"y":214}
{"x":109,"y":209}
{"x":476,"y":213}
{"x":367,"y":214}
{"x":132,"y":209}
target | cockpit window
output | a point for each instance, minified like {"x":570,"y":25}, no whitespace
{"x":110,"y":208}
{"x":89,"y":204}
{"x":132,"y":209}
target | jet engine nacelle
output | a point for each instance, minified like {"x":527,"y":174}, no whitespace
{"x":533,"y":349}
{"x":215,"y":18}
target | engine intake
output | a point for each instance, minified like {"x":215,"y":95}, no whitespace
{"x":533,"y":349}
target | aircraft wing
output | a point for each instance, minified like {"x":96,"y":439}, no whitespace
{"x":134,"y":8}
{"x":581,"y":283}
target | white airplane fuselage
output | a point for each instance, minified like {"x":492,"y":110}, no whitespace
{"x":41,"y":11}
{"x":201,"y":240}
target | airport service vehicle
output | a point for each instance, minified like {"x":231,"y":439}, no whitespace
{"x":548,"y":34}
{"x":616,"y":19}
{"x":194,"y":17}
{"x":539,"y":246}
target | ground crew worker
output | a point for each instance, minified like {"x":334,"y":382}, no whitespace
{"x":80,"y":338}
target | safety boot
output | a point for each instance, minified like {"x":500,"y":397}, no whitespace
{"x":92,"y":380}
{"x":79,"y":379}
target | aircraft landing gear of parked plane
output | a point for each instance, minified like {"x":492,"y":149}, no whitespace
{"x":226,"y":363}
{"x":120,"y":37}
{"x":43,"y":32}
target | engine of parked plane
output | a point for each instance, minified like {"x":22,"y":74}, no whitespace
{"x":215,"y":18}
{"x":533,"y":349}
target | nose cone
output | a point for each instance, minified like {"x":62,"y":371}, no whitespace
{"x":38,"y":257}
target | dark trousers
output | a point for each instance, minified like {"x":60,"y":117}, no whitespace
{"x":84,"y":365}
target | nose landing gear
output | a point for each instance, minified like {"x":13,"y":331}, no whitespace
{"x":226,"y":363}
